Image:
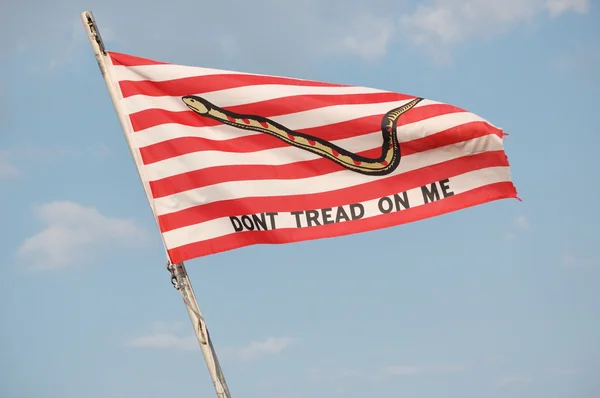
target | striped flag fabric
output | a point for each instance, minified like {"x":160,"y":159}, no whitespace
{"x":231,"y":159}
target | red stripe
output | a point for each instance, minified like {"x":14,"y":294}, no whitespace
{"x":310,"y":168}
{"x":208,"y":83}
{"x":488,"y":193}
{"x":353,"y":194}
{"x":257,"y":142}
{"x":274,"y":107}
{"x":130,"y":60}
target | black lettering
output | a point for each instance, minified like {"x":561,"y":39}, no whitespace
{"x":445,"y":188}
{"x":353,"y":213}
{"x":237,"y":225}
{"x":384,"y":209}
{"x":430,"y":195}
{"x":401,"y":200}
{"x":297,"y":214}
{"x":327,"y":216}
{"x":341,"y":214}
{"x":272,"y":219}
{"x":260,"y":221}
{"x":312,"y":216}
{"x":249,"y":227}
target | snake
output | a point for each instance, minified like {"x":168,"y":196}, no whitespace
{"x":385,"y":164}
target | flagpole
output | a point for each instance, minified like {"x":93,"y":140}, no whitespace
{"x":179,"y":276}
{"x":181,"y":282}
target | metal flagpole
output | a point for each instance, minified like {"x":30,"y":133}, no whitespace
{"x":179,"y":276}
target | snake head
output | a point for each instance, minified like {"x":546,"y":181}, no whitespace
{"x":196,"y":104}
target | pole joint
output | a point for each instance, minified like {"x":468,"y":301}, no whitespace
{"x":174,"y":280}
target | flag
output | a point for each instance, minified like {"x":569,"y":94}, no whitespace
{"x":231,"y":159}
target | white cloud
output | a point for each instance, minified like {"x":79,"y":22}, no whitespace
{"x":522,"y":223}
{"x":260,"y":349}
{"x":565,"y":372}
{"x":581,"y":61}
{"x":558,"y":7}
{"x":369,"y":38}
{"x":571,"y":261}
{"x":164,"y":336}
{"x":8,"y":170}
{"x":388,"y":372}
{"x":337,"y":375}
{"x":165,"y":340}
{"x":438,"y":25}
{"x":169,"y":336}
{"x":515,"y":380}
{"x":413,"y":370}
{"x":73,"y":231}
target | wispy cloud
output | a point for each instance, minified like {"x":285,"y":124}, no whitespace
{"x":165,"y":340}
{"x":369,"y":39}
{"x":558,"y":7}
{"x":165,"y":336}
{"x":260,"y":349}
{"x":73,"y":231}
{"x":8,"y":170}
{"x":565,"y":372}
{"x":174,"y":336}
{"x":522,"y":223}
{"x":412,"y":370}
{"x":514,"y":380}
{"x":581,"y":61}
{"x":390,"y":372}
{"x":571,"y":261}
{"x":519,"y":224}
{"x":439,"y":25}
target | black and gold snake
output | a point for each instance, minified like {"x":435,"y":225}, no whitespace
{"x":384,"y":164}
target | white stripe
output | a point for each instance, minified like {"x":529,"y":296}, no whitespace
{"x":165,"y":72}
{"x":162,"y":72}
{"x":322,"y":183}
{"x":222,"y":226}
{"x":289,"y":154}
{"x":294,"y":121}
{"x":238,"y":96}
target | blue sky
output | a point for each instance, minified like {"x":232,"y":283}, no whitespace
{"x":495,"y":301}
